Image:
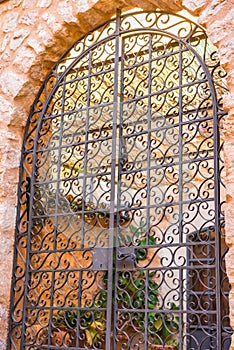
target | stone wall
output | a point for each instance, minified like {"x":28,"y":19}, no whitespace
{"x":33,"y":34}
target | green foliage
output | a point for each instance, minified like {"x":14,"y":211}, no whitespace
{"x":163,"y":324}
{"x":65,"y":318}
{"x":91,"y":322}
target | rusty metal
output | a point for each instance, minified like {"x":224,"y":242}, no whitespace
{"x":120,"y":225}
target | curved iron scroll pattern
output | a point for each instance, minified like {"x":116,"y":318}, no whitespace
{"x":121,"y":198}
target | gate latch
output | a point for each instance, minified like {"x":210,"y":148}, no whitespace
{"x":125,"y":258}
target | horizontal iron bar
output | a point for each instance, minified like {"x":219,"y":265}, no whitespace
{"x":185,"y":112}
{"x":67,"y":308}
{"x":136,"y":269}
{"x":167,"y":311}
{"x":157,"y":246}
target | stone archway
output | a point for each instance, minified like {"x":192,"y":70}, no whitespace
{"x":34,"y":34}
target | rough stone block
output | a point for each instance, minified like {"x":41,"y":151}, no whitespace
{"x":14,"y":3}
{"x":45,"y":35}
{"x":83,"y":5}
{"x":44,"y":3}
{"x":212,"y":8}
{"x":7,"y":215}
{"x":29,"y":3}
{"x":4,"y":42}
{"x":35,"y":45}
{"x":10,"y":22}
{"x":29,"y":18}
{"x":24,"y":59}
{"x":52,"y":21}
{"x":195,"y":6}
{"x":11,"y":83}
{"x":65,"y":10}
{"x":18,"y":38}
{"x":6,"y":109}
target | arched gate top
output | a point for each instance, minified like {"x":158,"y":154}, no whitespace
{"x":168,"y":24}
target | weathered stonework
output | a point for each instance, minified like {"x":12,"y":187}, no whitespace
{"x":33,"y":35}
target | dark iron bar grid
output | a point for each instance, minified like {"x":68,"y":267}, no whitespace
{"x":120,"y":233}
{"x":199,"y":37}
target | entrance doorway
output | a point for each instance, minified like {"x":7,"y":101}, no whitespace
{"x":120,"y":227}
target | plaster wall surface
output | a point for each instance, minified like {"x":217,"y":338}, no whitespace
{"x":33,"y":35}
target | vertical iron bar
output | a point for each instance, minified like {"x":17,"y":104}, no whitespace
{"x":27,"y":260}
{"x":17,"y":233}
{"x":217,"y":214}
{"x":209,"y":282}
{"x":148,"y":198}
{"x":56,"y":208}
{"x":86,"y":150}
{"x":84,"y":194}
{"x":28,"y":251}
{"x":120,"y":167}
{"x":180,"y":188}
{"x":188,"y":286}
{"x":112,"y":194}
{"x":28,"y":181}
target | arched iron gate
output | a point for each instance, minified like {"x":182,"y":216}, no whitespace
{"x":120,"y":228}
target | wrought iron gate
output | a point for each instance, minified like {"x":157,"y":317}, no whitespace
{"x":120,"y":227}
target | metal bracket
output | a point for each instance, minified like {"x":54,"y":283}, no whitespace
{"x":100,"y":258}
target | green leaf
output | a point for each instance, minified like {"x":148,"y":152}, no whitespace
{"x":158,"y":322}
{"x":152,"y":240}
{"x":141,"y":254}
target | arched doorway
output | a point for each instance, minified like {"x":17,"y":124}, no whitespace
{"x":120,"y":229}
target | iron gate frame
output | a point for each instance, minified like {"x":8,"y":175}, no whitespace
{"x":30,"y":151}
